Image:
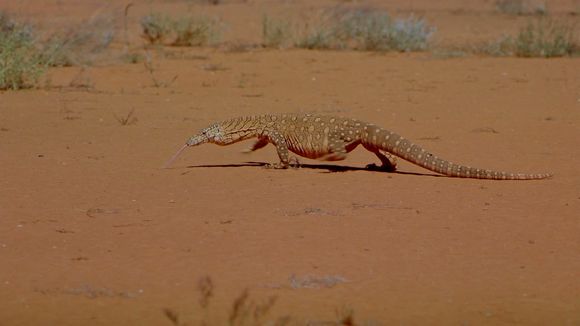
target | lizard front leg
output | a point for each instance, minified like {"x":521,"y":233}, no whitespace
{"x":282,"y":148}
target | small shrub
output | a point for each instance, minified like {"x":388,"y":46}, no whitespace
{"x":133,"y":57}
{"x":79,"y":44}
{"x":156,"y":27}
{"x":502,"y":47}
{"x":21,"y":63}
{"x":246,"y":311}
{"x":377,"y":32}
{"x":512,"y":7}
{"x":315,"y":282}
{"x":275,"y":33}
{"x":127,"y":120}
{"x":546,"y":38}
{"x":521,"y":7}
{"x":195,"y":31}
{"x":410,"y":34}
{"x":368,"y":30}
{"x":6,"y":24}
{"x":317,"y":37}
{"x":184,"y":31}
{"x":29,"y":55}
{"x":323,"y":30}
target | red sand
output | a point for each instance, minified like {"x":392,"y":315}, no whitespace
{"x":93,"y":231}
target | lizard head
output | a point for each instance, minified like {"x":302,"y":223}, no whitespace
{"x":212,"y":134}
{"x":217,"y":133}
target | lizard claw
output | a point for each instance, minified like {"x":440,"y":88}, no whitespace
{"x":382,"y":168}
{"x":277,"y":166}
{"x":294,"y":162}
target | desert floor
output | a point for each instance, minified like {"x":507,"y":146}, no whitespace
{"x":94,"y":232}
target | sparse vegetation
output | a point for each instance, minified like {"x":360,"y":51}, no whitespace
{"x":151,"y":70}
{"x":127,"y":120}
{"x":21,"y":63}
{"x":133,"y":57}
{"x":501,"y":47}
{"x":82,"y":80}
{"x":246,"y":311}
{"x":25,"y":56}
{"x":196,"y":31}
{"x":521,"y":7}
{"x":214,"y":67}
{"x":156,"y":28}
{"x":543,"y":38}
{"x":314,"y":282}
{"x":205,"y":288}
{"x":321,"y":31}
{"x":249,"y":310}
{"x":360,"y":29}
{"x":318,"y":37}
{"x":78,"y":45}
{"x":183,"y":31}
{"x":275,"y":33}
{"x":376,"y":31}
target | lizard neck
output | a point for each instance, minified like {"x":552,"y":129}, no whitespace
{"x":242,"y":128}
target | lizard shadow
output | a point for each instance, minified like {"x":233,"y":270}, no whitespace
{"x":327,"y":168}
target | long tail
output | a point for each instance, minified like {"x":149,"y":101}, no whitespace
{"x":404,"y":148}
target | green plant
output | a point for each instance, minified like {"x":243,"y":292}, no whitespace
{"x":375,"y":31}
{"x":79,"y":44}
{"x":21,"y":63}
{"x":275,"y":33}
{"x":195,"y":31}
{"x":156,"y":27}
{"x":521,"y":7}
{"x":132,"y":57}
{"x":6,"y":23}
{"x":501,"y":47}
{"x":411,"y":34}
{"x":184,"y":31}
{"x":318,"y":37}
{"x":366,"y":29}
{"x":321,"y":31}
{"x":545,"y":38}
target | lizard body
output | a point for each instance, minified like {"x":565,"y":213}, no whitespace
{"x":330,"y":138}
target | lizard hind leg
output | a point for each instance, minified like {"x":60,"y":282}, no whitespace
{"x":388,"y":162}
{"x":337,"y":151}
{"x":260,"y":143}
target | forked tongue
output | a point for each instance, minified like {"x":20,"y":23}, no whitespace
{"x":174,"y":157}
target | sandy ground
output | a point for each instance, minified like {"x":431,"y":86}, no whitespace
{"x":94,"y":232}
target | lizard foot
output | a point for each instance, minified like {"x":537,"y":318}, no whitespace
{"x":294,"y":162}
{"x":382,"y":168}
{"x":276,"y":166}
